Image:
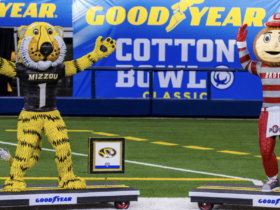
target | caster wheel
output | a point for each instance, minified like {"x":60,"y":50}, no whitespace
{"x":122,"y":205}
{"x":205,"y":206}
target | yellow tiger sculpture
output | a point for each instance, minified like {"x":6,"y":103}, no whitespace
{"x":41,"y":52}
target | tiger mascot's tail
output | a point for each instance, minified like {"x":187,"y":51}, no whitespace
{"x":5,"y":155}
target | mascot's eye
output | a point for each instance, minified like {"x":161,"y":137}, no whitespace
{"x":36,"y":32}
{"x":266,"y":38}
{"x":50,"y":31}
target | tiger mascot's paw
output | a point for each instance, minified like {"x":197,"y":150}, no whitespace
{"x":72,"y":182}
{"x":103,"y":48}
{"x":14,"y":185}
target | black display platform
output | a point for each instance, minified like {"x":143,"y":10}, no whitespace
{"x":50,"y":194}
{"x":209,"y":194}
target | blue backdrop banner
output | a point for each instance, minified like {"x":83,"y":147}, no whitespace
{"x":170,"y":33}
{"x":25,"y":12}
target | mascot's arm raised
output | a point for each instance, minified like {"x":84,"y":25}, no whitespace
{"x":103,"y":48}
{"x":7,"y":68}
{"x":247,"y":63}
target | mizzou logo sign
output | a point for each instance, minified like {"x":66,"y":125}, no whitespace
{"x":107,"y":152}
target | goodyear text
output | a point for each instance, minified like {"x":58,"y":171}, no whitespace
{"x":160,"y":15}
{"x":33,"y":10}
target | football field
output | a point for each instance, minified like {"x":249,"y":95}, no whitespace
{"x":163,"y":157}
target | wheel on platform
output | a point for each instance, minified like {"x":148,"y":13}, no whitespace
{"x":122,"y":204}
{"x":205,"y":206}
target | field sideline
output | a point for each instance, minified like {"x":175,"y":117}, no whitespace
{"x":163,"y":156}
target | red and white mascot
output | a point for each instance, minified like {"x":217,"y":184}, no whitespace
{"x":267,"y":50}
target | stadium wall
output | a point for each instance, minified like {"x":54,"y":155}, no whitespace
{"x":143,"y":107}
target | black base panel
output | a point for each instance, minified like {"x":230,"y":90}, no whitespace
{"x":80,"y":200}
{"x":222,"y":200}
{"x":107,"y":199}
{"x":228,"y":189}
{"x":14,"y":203}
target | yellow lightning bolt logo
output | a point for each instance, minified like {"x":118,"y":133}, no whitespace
{"x":178,"y":12}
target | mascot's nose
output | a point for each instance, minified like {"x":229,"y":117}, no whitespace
{"x":46,"y":49}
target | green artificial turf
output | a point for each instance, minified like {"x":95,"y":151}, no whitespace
{"x":233,"y":135}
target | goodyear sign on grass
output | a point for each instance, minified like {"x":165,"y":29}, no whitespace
{"x":170,"y":33}
{"x":25,"y":12}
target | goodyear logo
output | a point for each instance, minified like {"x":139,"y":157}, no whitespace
{"x":155,"y":16}
{"x":55,"y":199}
{"x":22,"y":10}
{"x":269,"y":201}
{"x":107,"y":152}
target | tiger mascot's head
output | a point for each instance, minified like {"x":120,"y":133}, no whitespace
{"x":41,"y":46}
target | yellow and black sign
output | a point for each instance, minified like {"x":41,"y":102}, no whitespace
{"x":106,"y":155}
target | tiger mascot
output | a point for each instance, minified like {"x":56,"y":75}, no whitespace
{"x":41,"y":52}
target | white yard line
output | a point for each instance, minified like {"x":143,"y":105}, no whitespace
{"x":51,"y":150}
{"x":2,"y":142}
{"x":256,"y":182}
